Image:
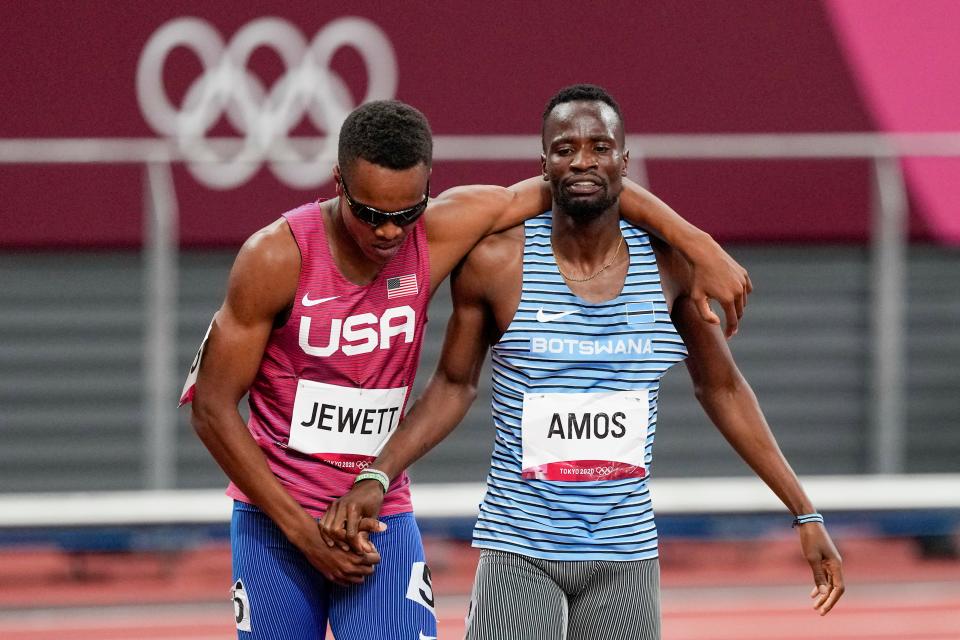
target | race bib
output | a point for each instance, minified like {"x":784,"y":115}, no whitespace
{"x":420,"y":587}
{"x":344,"y":425}
{"x":186,"y":395}
{"x":579,"y":437}
{"x":241,"y":606}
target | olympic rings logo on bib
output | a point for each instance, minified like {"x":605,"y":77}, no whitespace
{"x":344,"y":426}
{"x":583,"y":437}
{"x":584,"y":471}
{"x":264,"y":116}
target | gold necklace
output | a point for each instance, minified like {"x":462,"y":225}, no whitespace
{"x":602,"y":269}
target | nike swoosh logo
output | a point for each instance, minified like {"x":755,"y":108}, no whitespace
{"x":307,"y":302}
{"x":423,"y":637}
{"x":550,"y":317}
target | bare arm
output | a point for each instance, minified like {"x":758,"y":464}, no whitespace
{"x":715,"y":274}
{"x":732,"y":406}
{"x":460,"y":217}
{"x":262,"y":284}
{"x":443,"y":404}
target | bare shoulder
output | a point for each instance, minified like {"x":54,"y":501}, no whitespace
{"x":674,"y":271}
{"x":264,"y":276}
{"x":273,"y":247}
{"x":456,"y":220}
{"x":497,"y":251}
{"x":490,"y":267}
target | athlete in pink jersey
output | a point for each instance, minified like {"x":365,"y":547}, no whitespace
{"x":346,"y":338}
{"x":322,"y":324}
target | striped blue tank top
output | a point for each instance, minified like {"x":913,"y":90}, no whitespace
{"x":575,"y":409}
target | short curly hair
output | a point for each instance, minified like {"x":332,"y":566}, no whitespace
{"x":576,"y":93}
{"x":388,"y":133}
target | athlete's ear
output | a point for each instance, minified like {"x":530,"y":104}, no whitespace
{"x":543,"y":167}
{"x":336,"y":178}
{"x":626,"y":160}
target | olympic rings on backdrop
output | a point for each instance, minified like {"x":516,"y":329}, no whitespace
{"x":263,"y":115}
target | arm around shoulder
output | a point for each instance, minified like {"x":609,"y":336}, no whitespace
{"x":486,"y":209}
{"x":715,"y":274}
{"x":460,"y":217}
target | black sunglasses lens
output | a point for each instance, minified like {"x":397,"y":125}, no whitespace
{"x":410,"y":215}
{"x":401,"y":218}
{"x":375,"y":218}
{"x":370,"y":216}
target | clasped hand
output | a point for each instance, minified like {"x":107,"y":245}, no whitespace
{"x":350,"y":519}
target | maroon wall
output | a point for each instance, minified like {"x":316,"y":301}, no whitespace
{"x":677,"y":66}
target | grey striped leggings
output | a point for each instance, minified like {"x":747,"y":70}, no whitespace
{"x":520,"y":598}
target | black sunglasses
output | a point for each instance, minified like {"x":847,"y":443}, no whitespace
{"x":375,"y":217}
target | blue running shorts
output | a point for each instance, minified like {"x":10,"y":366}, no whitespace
{"x":278,"y":594}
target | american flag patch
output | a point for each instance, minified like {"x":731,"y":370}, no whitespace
{"x":402,"y":286}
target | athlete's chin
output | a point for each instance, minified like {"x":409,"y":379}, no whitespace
{"x":583,"y":211}
{"x":382,"y":253}
{"x":585,"y":208}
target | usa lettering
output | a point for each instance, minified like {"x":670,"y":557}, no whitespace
{"x":330,"y":417}
{"x":361,"y":333}
{"x":584,"y":426}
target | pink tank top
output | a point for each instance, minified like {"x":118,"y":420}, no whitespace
{"x":335,"y":378}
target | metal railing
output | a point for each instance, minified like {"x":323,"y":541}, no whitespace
{"x":888,"y":244}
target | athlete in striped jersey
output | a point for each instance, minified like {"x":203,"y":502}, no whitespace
{"x":322,"y":324}
{"x":584,"y":315}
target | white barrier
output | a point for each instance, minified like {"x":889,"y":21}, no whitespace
{"x":671,"y":496}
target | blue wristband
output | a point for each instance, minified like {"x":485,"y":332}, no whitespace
{"x":807,"y":518}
